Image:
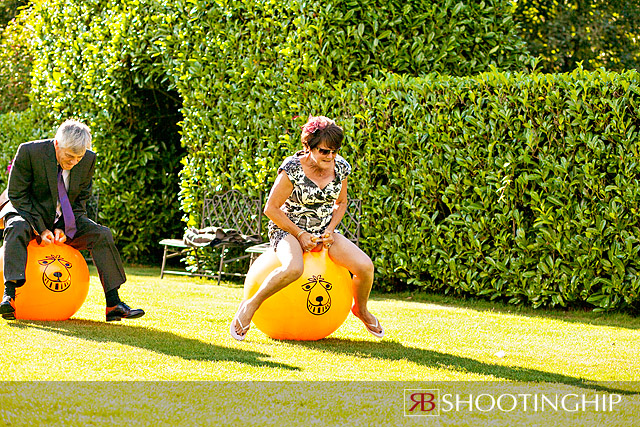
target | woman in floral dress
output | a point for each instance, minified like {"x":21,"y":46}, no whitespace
{"x":306,"y":204}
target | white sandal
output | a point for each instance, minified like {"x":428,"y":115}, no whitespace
{"x":370,"y":327}
{"x":232,"y":328}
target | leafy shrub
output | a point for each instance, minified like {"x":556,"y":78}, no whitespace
{"x":15,"y":59}
{"x":227,"y":75}
{"x":89,"y":67}
{"x":16,"y":128}
{"x":508,"y":186}
{"x":564,"y":34}
{"x":516,"y":187}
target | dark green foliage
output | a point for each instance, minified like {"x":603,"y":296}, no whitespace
{"x":9,"y":10}
{"x":566,"y":33}
{"x":230,"y":74}
{"x":93,"y":65}
{"x":516,"y":187}
{"x":16,"y":128}
{"x":16,"y":44}
{"x":508,"y":186}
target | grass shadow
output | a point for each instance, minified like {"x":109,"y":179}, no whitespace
{"x":153,"y":340}
{"x":392,"y":350}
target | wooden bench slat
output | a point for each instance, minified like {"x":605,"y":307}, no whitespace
{"x":176,"y":243}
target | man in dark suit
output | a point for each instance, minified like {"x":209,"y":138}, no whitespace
{"x":49,"y":185}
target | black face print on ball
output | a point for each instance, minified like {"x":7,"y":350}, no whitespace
{"x":318,"y":296}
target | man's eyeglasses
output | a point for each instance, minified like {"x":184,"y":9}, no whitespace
{"x":326,"y":152}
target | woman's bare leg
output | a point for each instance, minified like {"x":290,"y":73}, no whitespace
{"x":289,"y":254}
{"x":345,"y":253}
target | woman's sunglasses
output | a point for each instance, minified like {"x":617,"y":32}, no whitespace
{"x":326,"y":152}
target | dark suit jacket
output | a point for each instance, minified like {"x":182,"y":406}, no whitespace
{"x":33,"y":184}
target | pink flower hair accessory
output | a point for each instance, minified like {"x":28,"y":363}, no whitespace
{"x":316,"y":123}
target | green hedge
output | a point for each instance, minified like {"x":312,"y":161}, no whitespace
{"x":509,"y":186}
{"x":92,"y":65}
{"x":16,"y":45}
{"x":522,"y":188}
{"x":516,"y":187}
{"x":243,"y":70}
{"x":227,"y":75}
{"x":16,"y":128}
{"x":504,"y":185}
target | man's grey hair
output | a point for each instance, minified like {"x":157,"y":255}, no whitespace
{"x":74,"y":135}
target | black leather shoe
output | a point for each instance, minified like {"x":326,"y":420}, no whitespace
{"x":7,"y":309}
{"x":122,"y":311}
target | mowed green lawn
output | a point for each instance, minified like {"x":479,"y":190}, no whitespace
{"x":184,"y":337}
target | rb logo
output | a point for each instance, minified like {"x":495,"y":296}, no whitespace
{"x":421,"y":402}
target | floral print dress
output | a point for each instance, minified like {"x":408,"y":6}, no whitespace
{"x":308,"y":206}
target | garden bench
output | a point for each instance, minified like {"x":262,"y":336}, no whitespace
{"x":229,"y":214}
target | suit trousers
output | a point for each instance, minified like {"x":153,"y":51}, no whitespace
{"x":89,"y":235}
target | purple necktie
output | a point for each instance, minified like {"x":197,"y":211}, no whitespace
{"x":65,"y":206}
